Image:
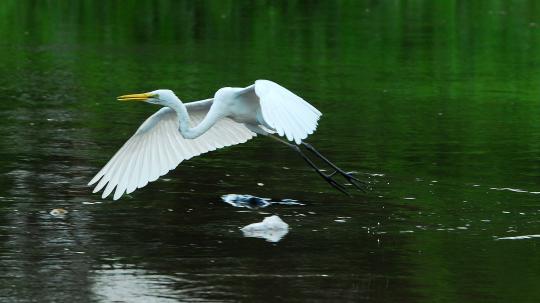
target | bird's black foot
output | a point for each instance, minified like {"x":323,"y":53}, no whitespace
{"x":359,"y":184}
{"x":329,"y":178}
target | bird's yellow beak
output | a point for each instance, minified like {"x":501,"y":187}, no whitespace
{"x":135,"y":97}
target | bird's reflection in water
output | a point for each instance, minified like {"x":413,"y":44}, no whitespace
{"x":252,"y":202}
{"x":272,"y":229}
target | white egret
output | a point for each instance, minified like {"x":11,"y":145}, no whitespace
{"x":181,"y":131}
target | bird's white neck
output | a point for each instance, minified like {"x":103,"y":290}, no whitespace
{"x":183,"y":117}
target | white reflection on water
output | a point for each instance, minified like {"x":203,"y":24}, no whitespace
{"x":137,"y":285}
{"x":516,"y":190}
{"x":519,"y":237}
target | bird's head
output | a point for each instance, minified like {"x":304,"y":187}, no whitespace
{"x":162,"y":97}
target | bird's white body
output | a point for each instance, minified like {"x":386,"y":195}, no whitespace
{"x":180,"y":131}
{"x":239,"y":107}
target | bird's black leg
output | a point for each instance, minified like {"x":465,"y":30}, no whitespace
{"x":347,"y":175}
{"x":328,"y":178}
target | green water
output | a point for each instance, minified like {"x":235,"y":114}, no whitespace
{"x":435,"y":103}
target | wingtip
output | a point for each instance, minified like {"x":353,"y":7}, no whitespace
{"x":94,"y":180}
{"x":105,"y":193}
{"x":117,"y":194}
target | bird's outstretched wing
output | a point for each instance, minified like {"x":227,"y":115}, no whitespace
{"x":157,"y":147}
{"x":286,"y":113}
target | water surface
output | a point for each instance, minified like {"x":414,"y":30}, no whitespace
{"x":435,"y":103}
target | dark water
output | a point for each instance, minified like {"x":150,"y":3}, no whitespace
{"x":436,"y":103}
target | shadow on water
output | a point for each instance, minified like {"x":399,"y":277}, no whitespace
{"x":439,"y":111}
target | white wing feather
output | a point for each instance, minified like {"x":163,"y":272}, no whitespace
{"x":158,"y":147}
{"x":288,"y":114}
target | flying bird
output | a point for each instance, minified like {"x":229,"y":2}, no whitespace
{"x":179,"y":131}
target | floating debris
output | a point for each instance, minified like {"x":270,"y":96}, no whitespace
{"x":58,"y":212}
{"x":272,"y":229}
{"x":252,"y":202}
{"x":246,"y":201}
